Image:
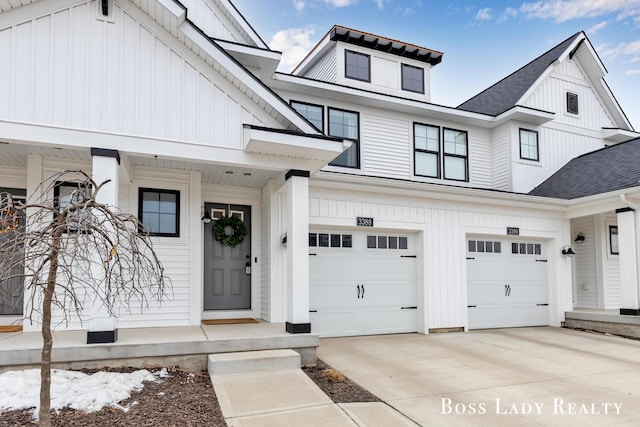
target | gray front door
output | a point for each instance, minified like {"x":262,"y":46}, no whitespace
{"x":11,"y":290}
{"x":227,"y":270}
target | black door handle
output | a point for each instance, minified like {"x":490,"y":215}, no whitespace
{"x":358,"y":291}
{"x":362,"y":291}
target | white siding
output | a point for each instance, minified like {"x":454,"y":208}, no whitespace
{"x":13,"y":177}
{"x":444,"y":226}
{"x":326,"y":69}
{"x":385,"y":147}
{"x":69,"y":69}
{"x":480,"y":175}
{"x":500,"y":159}
{"x":585,"y":265}
{"x":208,"y":16}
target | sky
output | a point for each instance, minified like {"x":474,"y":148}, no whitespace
{"x":483,"y":41}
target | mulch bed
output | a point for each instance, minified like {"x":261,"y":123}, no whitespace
{"x":181,"y":399}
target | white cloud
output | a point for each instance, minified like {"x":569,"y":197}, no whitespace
{"x":507,"y":14}
{"x":631,"y":49}
{"x":597,"y":27}
{"x":565,"y":10}
{"x":379,"y":3}
{"x":632,"y":72}
{"x":294,"y":43}
{"x":483,"y":14}
{"x":340,"y":3}
{"x":408,"y":11}
{"x":299,"y":5}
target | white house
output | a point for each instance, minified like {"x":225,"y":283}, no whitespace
{"x":368,"y":209}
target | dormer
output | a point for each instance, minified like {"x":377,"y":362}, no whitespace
{"x":365,"y":61}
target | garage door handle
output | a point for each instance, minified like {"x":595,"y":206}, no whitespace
{"x":471,"y":306}
{"x":408,"y":256}
{"x":542,"y":305}
{"x":507,"y":290}
{"x":358,"y":291}
{"x":541,"y":260}
{"x":313,"y":311}
{"x":313,"y":254}
{"x":409,"y":308}
{"x":362,"y":291}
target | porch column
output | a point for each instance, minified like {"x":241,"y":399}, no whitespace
{"x":102,"y":327}
{"x":297,"y":186}
{"x":628,"y":258}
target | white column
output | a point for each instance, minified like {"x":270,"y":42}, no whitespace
{"x":34,"y":194}
{"x":196,"y":237}
{"x":102,"y":327}
{"x":297,"y":186}
{"x":628,"y":258}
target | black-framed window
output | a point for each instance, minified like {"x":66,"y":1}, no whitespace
{"x":456,"y":158}
{"x":312,"y":112}
{"x":345,"y":124}
{"x":159,"y":211}
{"x":412,"y":78}
{"x":614,"y":248}
{"x":529,"y":148}
{"x":67,"y":193}
{"x":357,"y":66}
{"x":426,"y":144}
{"x":572,"y":103}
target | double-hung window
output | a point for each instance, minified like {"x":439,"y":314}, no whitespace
{"x":345,"y":124}
{"x":357,"y":66}
{"x":437,"y":150}
{"x":529,"y":149}
{"x":313,"y":113}
{"x":426,"y":142}
{"x":412,"y":78}
{"x":159,"y":211}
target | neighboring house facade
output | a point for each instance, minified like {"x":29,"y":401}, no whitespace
{"x":368,"y":209}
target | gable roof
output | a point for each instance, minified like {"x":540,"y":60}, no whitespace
{"x":609,"y":169}
{"x":507,"y":92}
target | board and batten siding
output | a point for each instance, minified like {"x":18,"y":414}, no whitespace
{"x":72,"y":70}
{"x":326,"y":69}
{"x":585,"y":264}
{"x":207,"y":15}
{"x":444,"y":226}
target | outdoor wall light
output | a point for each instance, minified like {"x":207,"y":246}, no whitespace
{"x":567,"y":251}
{"x":579,"y":238}
{"x":206,"y":218}
{"x":283,"y":241}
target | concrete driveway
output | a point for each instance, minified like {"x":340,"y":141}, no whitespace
{"x":504,"y":377}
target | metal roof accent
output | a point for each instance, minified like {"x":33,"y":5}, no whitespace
{"x":383,"y":44}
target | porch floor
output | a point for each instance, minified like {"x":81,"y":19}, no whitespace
{"x":608,"y":321}
{"x":186,"y":346}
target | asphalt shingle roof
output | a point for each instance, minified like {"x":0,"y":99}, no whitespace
{"x":504,"y":95}
{"x":611,"y":168}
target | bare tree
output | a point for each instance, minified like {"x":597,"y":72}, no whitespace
{"x":70,"y":251}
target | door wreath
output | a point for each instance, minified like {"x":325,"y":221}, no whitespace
{"x":229,"y":231}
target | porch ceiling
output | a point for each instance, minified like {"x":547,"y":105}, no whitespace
{"x":17,"y":154}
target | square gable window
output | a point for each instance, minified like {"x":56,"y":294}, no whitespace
{"x":357,"y":66}
{"x":412,"y":78}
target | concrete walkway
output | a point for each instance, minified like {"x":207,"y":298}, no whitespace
{"x":509,"y":377}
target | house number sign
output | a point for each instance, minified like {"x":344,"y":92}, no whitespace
{"x":364,"y":221}
{"x":513,"y":231}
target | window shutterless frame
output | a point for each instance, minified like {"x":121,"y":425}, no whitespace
{"x":64,"y":189}
{"x":613,"y":240}
{"x":426,"y":151}
{"x":464,"y":157}
{"x":176,"y":221}
{"x":572,"y":103}
{"x":412,"y":78}
{"x":303,"y":108}
{"x":357,"y":66}
{"x":527,"y":144}
{"x":333,"y":131}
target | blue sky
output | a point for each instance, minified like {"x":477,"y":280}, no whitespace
{"x":483,"y":41}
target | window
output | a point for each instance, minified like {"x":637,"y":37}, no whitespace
{"x":572,"y":103}
{"x":526,"y":248}
{"x":387,"y":242}
{"x":484,"y":246}
{"x":344,"y":124}
{"x":330,"y":240}
{"x":613,"y":240}
{"x":455,"y":155}
{"x":529,"y":145}
{"x":426,"y":140}
{"x":71,"y":193}
{"x":313,"y":113}
{"x":159,"y":211}
{"x":412,"y":78}
{"x":357,"y":66}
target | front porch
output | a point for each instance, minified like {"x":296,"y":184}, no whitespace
{"x":607,"y":321}
{"x":187,"y":347}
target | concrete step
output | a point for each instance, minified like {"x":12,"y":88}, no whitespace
{"x":252,"y":361}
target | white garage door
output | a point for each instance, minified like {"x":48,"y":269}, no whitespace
{"x":507,"y":283}
{"x":362,"y":283}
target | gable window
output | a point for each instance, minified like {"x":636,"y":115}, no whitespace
{"x":412,"y":78}
{"x":345,"y":124}
{"x":613,"y":240}
{"x":159,"y":211}
{"x":426,"y":140}
{"x":572,"y":103}
{"x":313,"y":113}
{"x":529,"y":145}
{"x":456,"y":160}
{"x":357,"y":66}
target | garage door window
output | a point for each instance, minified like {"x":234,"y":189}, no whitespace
{"x":526,"y":248}
{"x":387,"y":242}
{"x":325,"y":240}
{"x":483,"y":246}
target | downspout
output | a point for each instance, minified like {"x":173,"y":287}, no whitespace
{"x":623,"y":199}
